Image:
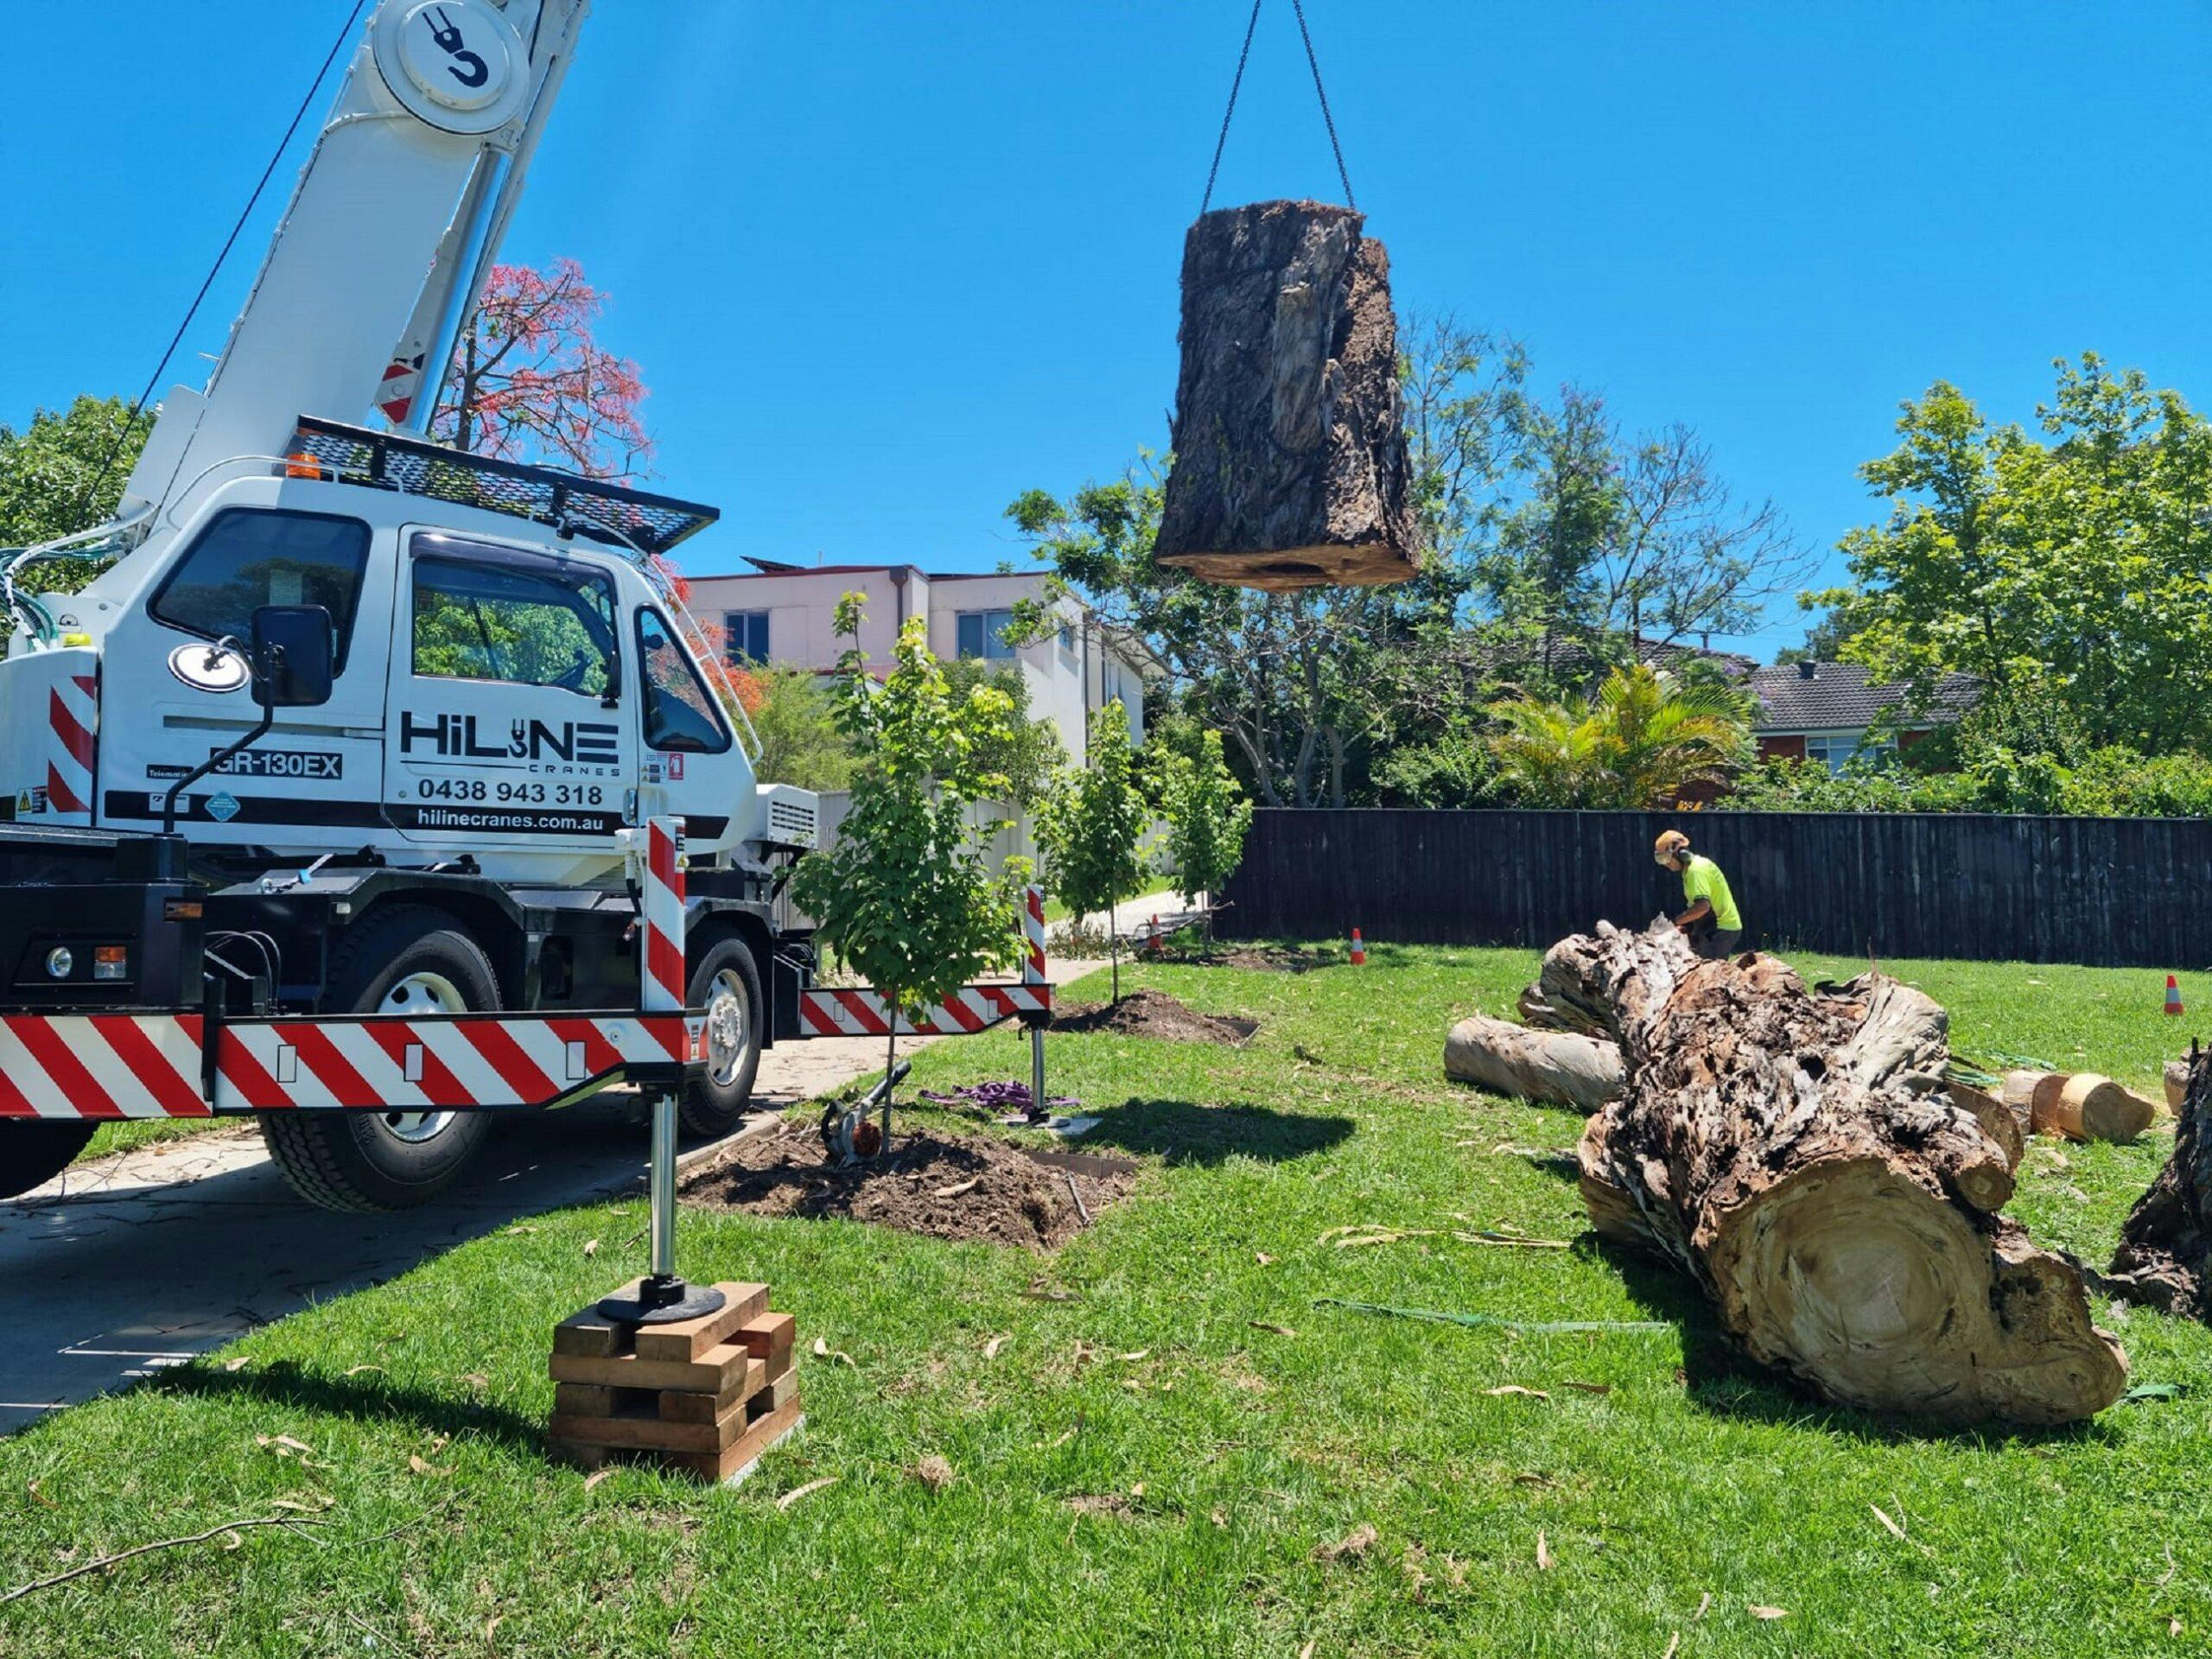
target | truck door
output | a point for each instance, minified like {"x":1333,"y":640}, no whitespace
{"x":314,"y":781}
{"x":505,"y":733}
{"x":692,"y":765}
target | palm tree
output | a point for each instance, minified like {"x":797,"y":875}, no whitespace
{"x":1644,"y":740}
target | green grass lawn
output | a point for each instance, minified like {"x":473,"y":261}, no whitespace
{"x":1149,"y":1467}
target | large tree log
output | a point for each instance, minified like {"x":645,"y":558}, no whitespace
{"x":2079,"y":1105}
{"x":1557,"y":1068}
{"x":1289,"y":438}
{"x":2166,"y":1244}
{"x":1798,"y":1155}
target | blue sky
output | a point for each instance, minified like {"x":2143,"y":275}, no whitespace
{"x":887,"y":264}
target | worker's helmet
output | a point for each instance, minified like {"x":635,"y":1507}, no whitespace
{"x":1670,"y":843}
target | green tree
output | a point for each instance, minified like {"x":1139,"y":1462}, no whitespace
{"x":795,"y":719}
{"x":1639,"y":743}
{"x":906,"y":895}
{"x":1208,"y":818}
{"x":2069,"y":568}
{"x":1030,"y":751}
{"x":65,"y":473}
{"x":1092,"y":827}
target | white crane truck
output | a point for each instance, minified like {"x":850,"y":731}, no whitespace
{"x":351,"y":722}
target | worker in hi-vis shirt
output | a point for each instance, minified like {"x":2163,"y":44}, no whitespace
{"x":1712,"y":920}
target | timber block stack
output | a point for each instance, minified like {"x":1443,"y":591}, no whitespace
{"x":705,"y":1396}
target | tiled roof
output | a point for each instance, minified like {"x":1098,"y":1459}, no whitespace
{"x":1844,"y":697}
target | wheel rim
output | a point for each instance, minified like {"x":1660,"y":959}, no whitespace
{"x":420,"y":993}
{"x":726,"y":1038}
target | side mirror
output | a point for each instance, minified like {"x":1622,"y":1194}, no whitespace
{"x":292,"y":651}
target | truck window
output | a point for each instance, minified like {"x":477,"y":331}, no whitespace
{"x":252,"y":557}
{"x":680,"y":716}
{"x":492,"y":620}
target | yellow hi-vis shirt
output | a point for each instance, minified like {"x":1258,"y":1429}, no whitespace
{"x":1703,"y":880}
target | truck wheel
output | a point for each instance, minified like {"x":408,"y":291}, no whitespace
{"x":31,"y":1155}
{"x":727,"y":984}
{"x":409,"y":960}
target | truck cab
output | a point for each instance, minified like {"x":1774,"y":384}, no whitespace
{"x":515,"y":690}
{"x":517,"y":699}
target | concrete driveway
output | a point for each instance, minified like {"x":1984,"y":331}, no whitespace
{"x":127,"y":1264}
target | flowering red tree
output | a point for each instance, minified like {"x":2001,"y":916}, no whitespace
{"x":530,"y":382}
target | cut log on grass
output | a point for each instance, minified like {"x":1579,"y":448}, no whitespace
{"x":2017,"y":1091}
{"x":2087,"y":1107}
{"x":2167,"y":1239}
{"x":2176,"y":1081}
{"x":1799,"y":1155}
{"x":1998,"y":1120}
{"x":2079,"y":1105}
{"x":1289,"y":440}
{"x":1556,"y":1068}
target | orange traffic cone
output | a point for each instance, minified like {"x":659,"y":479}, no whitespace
{"x":2173,"y":995}
{"x":1153,"y":945}
{"x":1358,"y":949}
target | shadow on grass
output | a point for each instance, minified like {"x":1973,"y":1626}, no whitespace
{"x":1719,"y":1378}
{"x":363,"y":1398}
{"x":1182,"y":1132}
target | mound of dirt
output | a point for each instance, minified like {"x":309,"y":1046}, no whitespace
{"x":937,"y":1184}
{"x":1154,"y":1013}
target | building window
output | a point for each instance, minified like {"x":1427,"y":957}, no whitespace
{"x":1835,"y":750}
{"x":1067,"y":640}
{"x":746,"y":633}
{"x":982,"y":633}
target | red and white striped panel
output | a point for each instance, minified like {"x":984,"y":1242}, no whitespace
{"x":972,"y":1007}
{"x":662,"y":896}
{"x":72,"y":717}
{"x":393,"y":1062}
{"x":1033,"y":931}
{"x":402,"y":384}
{"x":148,"y":1065}
{"x":101,"y":1065}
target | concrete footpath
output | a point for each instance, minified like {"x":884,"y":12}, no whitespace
{"x":127,"y":1264}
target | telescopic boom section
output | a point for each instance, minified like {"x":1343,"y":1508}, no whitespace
{"x":383,"y":250}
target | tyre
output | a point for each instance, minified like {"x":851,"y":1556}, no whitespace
{"x":410,"y":959}
{"x":31,"y":1155}
{"x":727,"y":984}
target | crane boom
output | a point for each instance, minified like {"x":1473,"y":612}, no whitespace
{"x":385,"y":244}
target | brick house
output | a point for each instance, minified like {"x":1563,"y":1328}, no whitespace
{"x":1824,"y":711}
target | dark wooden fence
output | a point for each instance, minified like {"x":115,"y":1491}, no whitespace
{"x":2110,"y":892}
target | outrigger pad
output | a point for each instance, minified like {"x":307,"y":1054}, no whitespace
{"x":663,"y":1300}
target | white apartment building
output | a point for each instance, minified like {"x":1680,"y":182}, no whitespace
{"x":784,"y":614}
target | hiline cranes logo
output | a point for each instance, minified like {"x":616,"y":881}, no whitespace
{"x":532,"y":745}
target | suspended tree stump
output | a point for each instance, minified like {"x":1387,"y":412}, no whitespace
{"x":1290,"y":447}
{"x":1799,"y":1155}
{"x":2167,"y":1239}
{"x":1557,"y":1068}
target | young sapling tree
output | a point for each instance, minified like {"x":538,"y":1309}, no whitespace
{"x":906,"y":897}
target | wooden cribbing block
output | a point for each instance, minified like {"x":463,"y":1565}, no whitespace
{"x":779,"y":1393}
{"x":686,"y":1340}
{"x":680,"y":1406}
{"x":590,"y":1334}
{"x":646,"y":1431}
{"x":769,"y":1337}
{"x":717,"y":1371}
{"x":737,"y":1458}
{"x":597,"y":1399}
